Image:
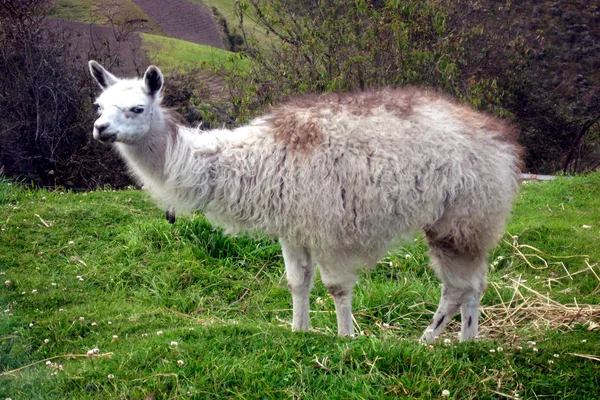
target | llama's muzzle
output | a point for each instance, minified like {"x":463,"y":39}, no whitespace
{"x":102,"y":133}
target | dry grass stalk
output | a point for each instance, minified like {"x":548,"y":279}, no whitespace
{"x":527,"y":308}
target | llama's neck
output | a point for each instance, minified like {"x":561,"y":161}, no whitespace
{"x":147,"y":156}
{"x":175,"y":163}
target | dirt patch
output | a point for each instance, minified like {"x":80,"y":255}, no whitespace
{"x":88,"y":41}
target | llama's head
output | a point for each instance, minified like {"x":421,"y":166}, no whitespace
{"x":125,"y":106}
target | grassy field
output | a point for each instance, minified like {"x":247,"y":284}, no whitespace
{"x":179,"y":55}
{"x":181,"y":311}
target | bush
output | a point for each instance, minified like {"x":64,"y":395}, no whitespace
{"x":45,"y":103}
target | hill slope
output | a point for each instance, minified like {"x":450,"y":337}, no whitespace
{"x":183,"y":20}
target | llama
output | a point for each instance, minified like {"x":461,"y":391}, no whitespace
{"x":337,"y":178}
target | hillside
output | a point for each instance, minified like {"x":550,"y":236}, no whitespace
{"x":181,"y":19}
{"x":98,"y":25}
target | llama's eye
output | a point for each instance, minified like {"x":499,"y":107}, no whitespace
{"x":98,"y":109}
{"x":137,"y":110}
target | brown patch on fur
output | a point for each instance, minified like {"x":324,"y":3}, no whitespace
{"x":399,"y":101}
{"x":296,"y":129}
{"x":498,"y":129}
{"x":451,"y":245}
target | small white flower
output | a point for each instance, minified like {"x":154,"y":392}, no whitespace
{"x":90,"y":353}
{"x":53,"y":283}
{"x":82,"y":318}
{"x":556,"y":356}
{"x":500,"y":349}
{"x":584,"y":341}
{"x":31,"y":325}
{"x":535,"y":349}
{"x":447,"y":341}
{"x":34,"y":291}
{"x":61,"y":309}
{"x":159,"y":333}
{"x":180,"y":363}
{"x":385,"y":325}
{"x":54,"y":373}
{"x":71,"y":242}
{"x":550,"y":362}
{"x":60,"y":367}
{"x":492,"y":350}
{"x":46,"y":341}
{"x":407,"y":256}
{"x":48,"y":362}
{"x":111,"y":376}
{"x":445,"y":393}
{"x":96,"y":350}
{"x":518,"y":348}
{"x":531,"y":343}
{"x":115,"y":338}
{"x":7,"y":283}
{"x":94,"y":324}
{"x":110,"y":322}
{"x":174,"y":343}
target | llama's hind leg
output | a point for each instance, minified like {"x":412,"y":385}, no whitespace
{"x":464,"y":279}
{"x":299,"y":268}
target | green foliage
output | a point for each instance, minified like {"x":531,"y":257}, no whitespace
{"x":338,"y":46}
{"x":224,"y":301}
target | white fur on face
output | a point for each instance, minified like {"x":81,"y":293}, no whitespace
{"x":126,"y":110}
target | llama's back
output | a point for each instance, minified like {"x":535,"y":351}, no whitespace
{"x":355,"y":172}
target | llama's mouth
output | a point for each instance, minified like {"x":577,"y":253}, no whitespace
{"x":107,"y":137}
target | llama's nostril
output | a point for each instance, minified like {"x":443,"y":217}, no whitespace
{"x":102,"y":127}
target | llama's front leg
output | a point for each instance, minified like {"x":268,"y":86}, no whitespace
{"x":300,"y":269}
{"x":340,"y":283}
{"x":342,"y":298}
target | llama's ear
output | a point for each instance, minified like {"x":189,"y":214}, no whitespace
{"x":153,"y":80}
{"x":104,"y":78}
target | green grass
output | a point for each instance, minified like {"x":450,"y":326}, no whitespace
{"x":75,"y":10}
{"x":224,"y":301}
{"x":178,"y":55}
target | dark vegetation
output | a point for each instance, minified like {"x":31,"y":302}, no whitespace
{"x":534,"y":62}
{"x":45,"y":105}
